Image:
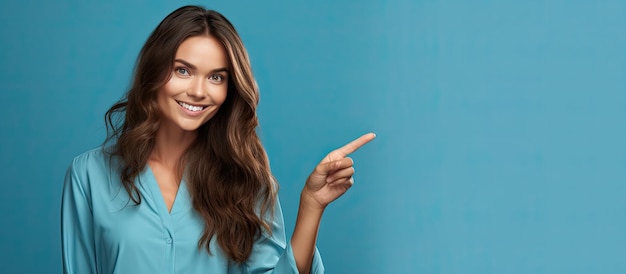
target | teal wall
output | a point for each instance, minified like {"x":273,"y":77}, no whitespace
{"x":500,"y":124}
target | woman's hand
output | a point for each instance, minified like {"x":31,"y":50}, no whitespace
{"x":333,"y":175}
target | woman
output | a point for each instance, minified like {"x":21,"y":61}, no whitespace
{"x":183,"y":184}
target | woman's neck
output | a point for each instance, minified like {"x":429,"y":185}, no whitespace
{"x":170,"y":145}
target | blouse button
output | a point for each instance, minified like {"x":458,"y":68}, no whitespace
{"x":169,"y":241}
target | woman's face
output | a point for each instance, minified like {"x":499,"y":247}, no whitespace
{"x":197,"y":86}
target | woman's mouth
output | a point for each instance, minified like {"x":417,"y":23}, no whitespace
{"x":190,"y":107}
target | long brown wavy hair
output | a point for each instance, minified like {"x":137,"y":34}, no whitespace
{"x":226,"y":167}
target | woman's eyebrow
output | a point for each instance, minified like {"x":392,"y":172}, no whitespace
{"x":185,"y":63}
{"x":220,"y":70}
{"x":189,"y":65}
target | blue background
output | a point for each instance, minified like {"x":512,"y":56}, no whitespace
{"x":500,"y":124}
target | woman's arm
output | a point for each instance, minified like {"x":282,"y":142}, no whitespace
{"x":76,"y":225}
{"x":331,"y":178}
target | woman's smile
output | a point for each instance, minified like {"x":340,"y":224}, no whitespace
{"x":192,"y":109}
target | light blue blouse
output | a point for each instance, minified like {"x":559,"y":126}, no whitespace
{"x":104,"y":232}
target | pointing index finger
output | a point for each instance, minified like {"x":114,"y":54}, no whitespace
{"x":356,"y":144}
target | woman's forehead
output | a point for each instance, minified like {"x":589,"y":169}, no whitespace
{"x":203,"y":52}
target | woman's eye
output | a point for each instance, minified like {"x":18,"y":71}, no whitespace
{"x":182,"y":71}
{"x":216,"y":78}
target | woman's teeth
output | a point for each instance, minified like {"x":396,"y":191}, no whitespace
{"x":190,"y":107}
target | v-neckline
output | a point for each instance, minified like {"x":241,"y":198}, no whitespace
{"x":180,"y":198}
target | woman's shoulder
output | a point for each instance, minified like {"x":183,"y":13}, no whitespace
{"x":89,"y":157}
{"x":93,"y":174}
{"x":91,"y":160}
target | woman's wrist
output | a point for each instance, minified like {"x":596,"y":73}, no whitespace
{"x":309,"y":203}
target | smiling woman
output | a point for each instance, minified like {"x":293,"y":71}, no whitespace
{"x":194,"y":93}
{"x":182,"y":184}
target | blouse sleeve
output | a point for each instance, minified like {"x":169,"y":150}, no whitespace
{"x":273,"y":254}
{"x":76,"y":224}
